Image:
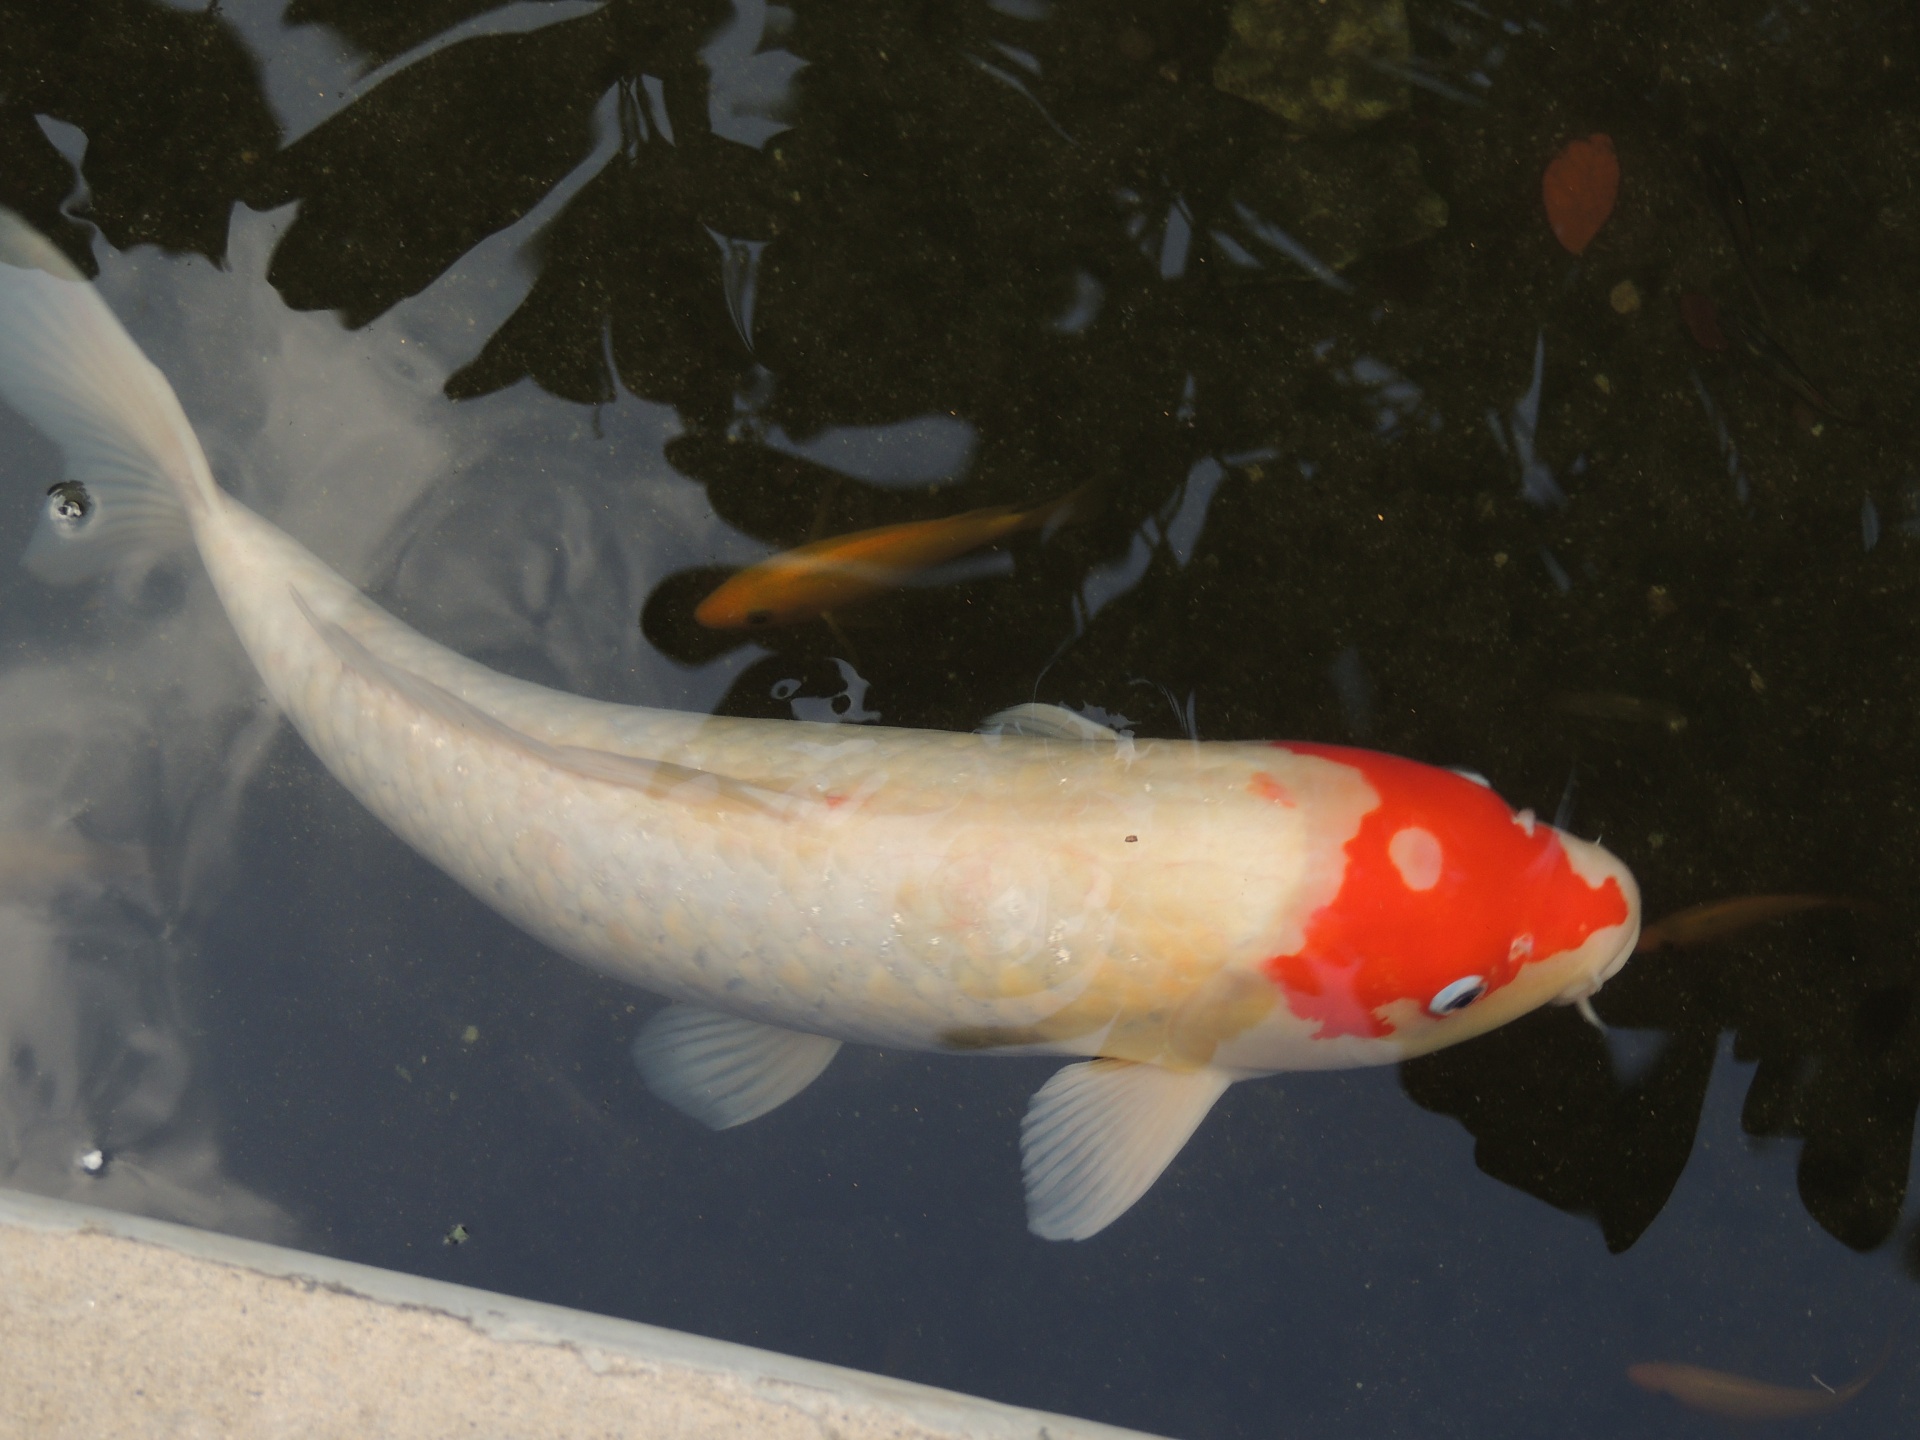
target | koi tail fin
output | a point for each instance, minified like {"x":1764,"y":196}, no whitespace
{"x":134,"y":469}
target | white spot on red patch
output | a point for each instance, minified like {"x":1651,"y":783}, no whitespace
{"x":1416,"y":854}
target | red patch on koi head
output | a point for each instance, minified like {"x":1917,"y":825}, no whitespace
{"x":1442,"y":883}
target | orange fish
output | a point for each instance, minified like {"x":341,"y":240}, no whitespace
{"x":1579,"y":188}
{"x":1717,"y":919}
{"x":1735,"y":1397}
{"x":804,"y":584}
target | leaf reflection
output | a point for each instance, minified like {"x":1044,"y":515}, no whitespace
{"x":170,"y":143}
{"x":1830,"y":1031}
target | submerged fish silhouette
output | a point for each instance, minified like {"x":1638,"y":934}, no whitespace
{"x":1180,"y":915}
{"x":1737,"y":1397}
{"x":1609,"y":705}
{"x":1755,"y":346}
{"x":1717,"y":919}
{"x":1726,"y":191}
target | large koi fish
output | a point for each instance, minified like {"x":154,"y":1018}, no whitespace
{"x":1178,"y":915}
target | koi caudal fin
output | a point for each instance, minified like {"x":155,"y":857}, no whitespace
{"x":133,"y":466}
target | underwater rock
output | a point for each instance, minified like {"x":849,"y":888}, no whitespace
{"x":1326,"y":66}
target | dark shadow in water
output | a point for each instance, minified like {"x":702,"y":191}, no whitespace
{"x":170,"y":102}
{"x":1827,"y":1020}
{"x":379,"y":33}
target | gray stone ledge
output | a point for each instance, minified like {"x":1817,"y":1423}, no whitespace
{"x":117,"y":1325}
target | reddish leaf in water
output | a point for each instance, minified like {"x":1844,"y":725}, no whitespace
{"x":1580,"y":187}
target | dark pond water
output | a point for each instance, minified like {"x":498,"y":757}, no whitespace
{"x":537,"y":318}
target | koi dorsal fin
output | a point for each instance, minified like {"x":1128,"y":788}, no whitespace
{"x":1047,"y":722}
{"x":1098,"y":1134}
{"x":660,"y":778}
{"x":725,"y":1071}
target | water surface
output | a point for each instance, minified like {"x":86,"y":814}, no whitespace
{"x":537,"y":318}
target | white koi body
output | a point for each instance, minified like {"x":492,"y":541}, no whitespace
{"x":1191,"y":913}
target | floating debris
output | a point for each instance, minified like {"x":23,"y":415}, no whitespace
{"x":93,"y":1162}
{"x":1869,"y":524}
{"x":458,"y":1235}
{"x":1624,"y":298}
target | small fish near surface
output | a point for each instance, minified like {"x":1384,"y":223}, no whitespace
{"x":1718,"y":919}
{"x":1737,"y":1397}
{"x":827,"y":575}
{"x":1172,"y":916}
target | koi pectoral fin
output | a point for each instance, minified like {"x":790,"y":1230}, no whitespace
{"x":725,"y":1071}
{"x":1098,"y":1134}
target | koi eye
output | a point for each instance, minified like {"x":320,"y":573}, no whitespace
{"x":1457,"y":996}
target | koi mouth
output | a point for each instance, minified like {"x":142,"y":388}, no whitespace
{"x":1581,"y":993}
